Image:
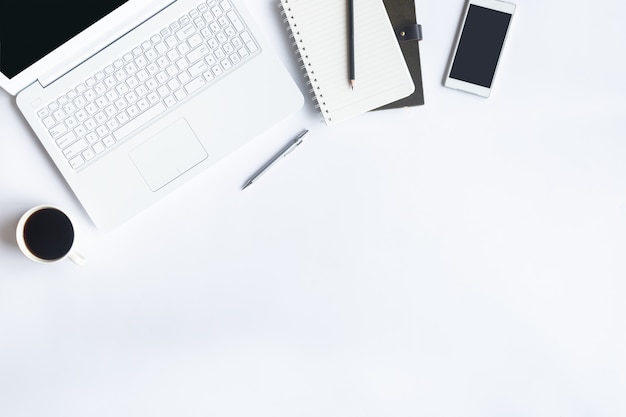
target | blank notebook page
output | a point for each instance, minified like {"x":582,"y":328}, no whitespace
{"x":320,"y":30}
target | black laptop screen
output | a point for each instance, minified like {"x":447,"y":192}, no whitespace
{"x":30,"y":29}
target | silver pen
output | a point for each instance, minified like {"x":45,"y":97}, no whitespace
{"x":293,"y":144}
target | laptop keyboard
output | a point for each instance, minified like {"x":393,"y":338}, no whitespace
{"x":191,"y":53}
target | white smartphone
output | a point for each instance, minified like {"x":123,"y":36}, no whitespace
{"x":479,"y":43}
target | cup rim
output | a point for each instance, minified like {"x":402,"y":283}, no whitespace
{"x":19,"y":234}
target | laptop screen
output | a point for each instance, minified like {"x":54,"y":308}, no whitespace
{"x":31,"y":29}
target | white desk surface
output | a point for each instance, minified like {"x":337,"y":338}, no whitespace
{"x":466,"y":257}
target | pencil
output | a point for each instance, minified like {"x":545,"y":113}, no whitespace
{"x":352,"y":72}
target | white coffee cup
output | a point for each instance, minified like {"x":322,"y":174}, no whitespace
{"x":46,"y":234}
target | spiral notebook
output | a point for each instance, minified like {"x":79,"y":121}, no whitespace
{"x":320,"y":32}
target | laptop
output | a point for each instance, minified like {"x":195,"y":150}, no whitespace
{"x":132,"y":98}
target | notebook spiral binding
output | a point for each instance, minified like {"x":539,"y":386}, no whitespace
{"x":315,"y":92}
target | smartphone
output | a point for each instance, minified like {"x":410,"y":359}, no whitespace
{"x":484,"y":28}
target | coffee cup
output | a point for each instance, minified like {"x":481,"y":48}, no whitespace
{"x":46,"y":234}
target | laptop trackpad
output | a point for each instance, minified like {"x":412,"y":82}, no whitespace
{"x":168,"y":154}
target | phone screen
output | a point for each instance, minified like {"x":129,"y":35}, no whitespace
{"x":480,"y":45}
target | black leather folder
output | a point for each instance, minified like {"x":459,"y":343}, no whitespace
{"x":409,"y":33}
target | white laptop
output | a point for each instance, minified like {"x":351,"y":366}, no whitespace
{"x":131,"y":98}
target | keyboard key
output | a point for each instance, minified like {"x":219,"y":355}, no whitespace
{"x":162,"y":61}
{"x":151,"y":55}
{"x":247,"y":39}
{"x":66,"y":140}
{"x":185,"y":32}
{"x":143,"y":104}
{"x":98,"y":148}
{"x":75,"y":148}
{"x":89,"y":154}
{"x":101,"y":102}
{"x":122,"y":118}
{"x":184,"y":77}
{"x":143,"y":75}
{"x":77,"y":162}
{"x":226,"y":65}
{"x":141,"y":91}
{"x":112,"y":124}
{"x":58,"y":130}
{"x":48,"y":122}
{"x":162,"y":77}
{"x":80,"y":131}
{"x":92,"y":138}
{"x":161,"y":48}
{"x":180,"y":94}
{"x":90,"y":124}
{"x":194,"y":40}
{"x":100,"y":117}
{"x":163,"y":91}
{"x":121,"y":104}
{"x":141,"y":61}
{"x":194,"y":85}
{"x":208,"y":76}
{"x":91,"y":109}
{"x":59,"y":115}
{"x":132,"y":82}
{"x":81,"y":115}
{"x":110,"y":110}
{"x":99,"y":89}
{"x":170,"y":101}
{"x":102,"y":131}
{"x":153,"y":97}
{"x":111,"y":95}
{"x":198,"y":53}
{"x":171,"y":41}
{"x":71,"y":122}
{"x":198,"y":68}
{"x":221,"y":38}
{"x":133,"y":111}
{"x":210,"y":59}
{"x":172,"y":70}
{"x":108,"y":141}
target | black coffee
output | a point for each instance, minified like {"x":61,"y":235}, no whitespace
{"x":48,"y":234}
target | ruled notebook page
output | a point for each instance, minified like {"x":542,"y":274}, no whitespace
{"x":320,"y":30}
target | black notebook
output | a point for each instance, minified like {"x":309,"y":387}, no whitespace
{"x":409,"y":33}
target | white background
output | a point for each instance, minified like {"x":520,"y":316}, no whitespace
{"x":465,"y":257}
